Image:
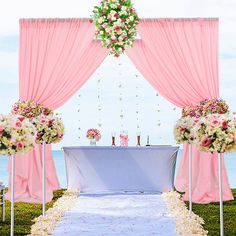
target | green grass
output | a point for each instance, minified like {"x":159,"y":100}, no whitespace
{"x":211,"y":215}
{"x":25,"y":213}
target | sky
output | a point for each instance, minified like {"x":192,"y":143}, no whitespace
{"x":119,"y":84}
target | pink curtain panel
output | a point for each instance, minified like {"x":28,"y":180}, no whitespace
{"x":57,"y":56}
{"x":179,"y":57}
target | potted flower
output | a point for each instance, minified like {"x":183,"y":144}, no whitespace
{"x":94,"y":136}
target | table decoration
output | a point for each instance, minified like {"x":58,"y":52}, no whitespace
{"x":17,"y":136}
{"x":94,"y":136}
{"x":217,"y":133}
{"x":113,"y":137}
{"x":124,"y":138}
{"x":50,"y":129}
{"x":115,"y":23}
{"x":138,"y":133}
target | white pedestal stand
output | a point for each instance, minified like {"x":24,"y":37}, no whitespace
{"x":221,"y":198}
{"x":12,"y":192}
{"x":190,"y":179}
{"x":44,"y":177}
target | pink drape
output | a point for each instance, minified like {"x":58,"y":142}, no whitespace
{"x":57,"y":56}
{"x":179,"y":57}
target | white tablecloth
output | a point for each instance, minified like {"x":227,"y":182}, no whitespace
{"x":113,"y":169}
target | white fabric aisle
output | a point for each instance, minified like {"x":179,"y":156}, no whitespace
{"x":117,"y":214}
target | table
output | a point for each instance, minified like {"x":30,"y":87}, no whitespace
{"x":2,"y":201}
{"x":113,"y":169}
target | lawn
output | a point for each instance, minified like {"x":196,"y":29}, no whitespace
{"x":25,"y":212}
{"x":211,"y":215}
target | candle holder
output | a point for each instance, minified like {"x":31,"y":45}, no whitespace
{"x":113,"y":139}
{"x":138,"y":133}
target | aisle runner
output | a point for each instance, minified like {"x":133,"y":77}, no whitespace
{"x":126,"y":214}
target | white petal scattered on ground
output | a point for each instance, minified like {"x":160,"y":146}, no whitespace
{"x":117,"y":214}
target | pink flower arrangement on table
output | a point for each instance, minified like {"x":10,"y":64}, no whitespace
{"x":115,"y":22}
{"x":17,"y":135}
{"x":216,"y":133}
{"x":50,"y":129}
{"x":185,"y":130}
{"x":30,"y":109}
{"x":93,"y":134}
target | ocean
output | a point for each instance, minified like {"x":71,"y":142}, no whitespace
{"x":58,"y":156}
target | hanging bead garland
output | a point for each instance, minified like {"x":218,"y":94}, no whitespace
{"x":120,"y":86}
{"x":99,"y":108}
{"x":137,"y":103}
{"x":79,"y":110}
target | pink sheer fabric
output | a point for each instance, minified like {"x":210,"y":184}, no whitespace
{"x":179,"y":58}
{"x":57,"y":56}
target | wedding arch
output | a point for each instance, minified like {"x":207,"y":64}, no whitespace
{"x":179,"y":57}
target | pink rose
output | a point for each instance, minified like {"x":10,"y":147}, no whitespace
{"x":215,"y":122}
{"x":21,"y":118}
{"x":206,"y":142}
{"x":20,"y":146}
{"x":1,"y":129}
{"x":117,"y":28}
{"x":224,"y":124}
{"x":18,"y":124}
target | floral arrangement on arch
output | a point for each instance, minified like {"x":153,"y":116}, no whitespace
{"x":17,"y":135}
{"x":50,"y":129}
{"x":30,"y":109}
{"x":185,"y":130}
{"x":115,"y":22}
{"x":216,"y":133}
{"x":206,"y":107}
{"x":93,"y":134}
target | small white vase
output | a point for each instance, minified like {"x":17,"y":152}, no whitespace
{"x":93,"y":142}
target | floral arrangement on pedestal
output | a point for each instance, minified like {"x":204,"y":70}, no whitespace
{"x":206,"y":107}
{"x":17,"y":135}
{"x":50,"y":129}
{"x":184,"y":131}
{"x":93,"y":135}
{"x":30,"y":109}
{"x":216,"y":133}
{"x":115,"y":22}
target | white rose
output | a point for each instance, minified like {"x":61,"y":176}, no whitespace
{"x":113,"y":37}
{"x":108,"y":29}
{"x":112,"y":12}
{"x":123,"y":8}
{"x":100,"y":20}
{"x":131,"y":18}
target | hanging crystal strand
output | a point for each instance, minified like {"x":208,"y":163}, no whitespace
{"x":99,"y":109}
{"x":137,"y":103}
{"x":120,"y":86}
{"x":79,"y":121}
